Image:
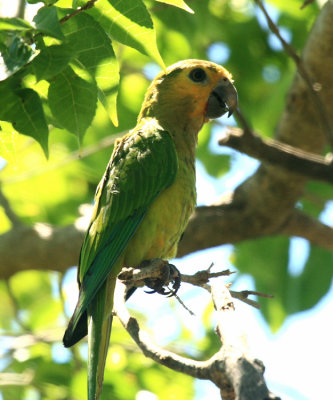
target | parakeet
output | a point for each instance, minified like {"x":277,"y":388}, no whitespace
{"x":146,"y":196}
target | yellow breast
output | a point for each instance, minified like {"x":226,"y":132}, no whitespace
{"x":165,"y":221}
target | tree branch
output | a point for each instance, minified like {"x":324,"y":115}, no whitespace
{"x":43,"y":246}
{"x":237,"y":375}
{"x":312,"y":166}
{"x":225,"y":223}
{"x":39,"y":247}
{"x":302,"y":225}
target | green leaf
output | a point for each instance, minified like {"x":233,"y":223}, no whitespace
{"x":16,"y":55}
{"x":7,"y":310}
{"x":178,"y":3}
{"x":129,"y":22}
{"x":23,"y":108}
{"x":14,"y":24}
{"x":47,"y":22}
{"x":51,"y":61}
{"x":93,"y":50}
{"x":266,"y":260}
{"x":24,"y":286}
{"x":73,"y":101}
{"x":315,"y":197}
{"x":314,"y":282}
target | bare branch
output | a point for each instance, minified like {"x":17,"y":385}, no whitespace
{"x":39,"y":247}
{"x":177,"y":363}
{"x":244,"y":297}
{"x":226,"y":222}
{"x":302,"y":225}
{"x":232,"y":369}
{"x":44,"y":246}
{"x":14,"y":379}
{"x":280,"y":154}
{"x":201,"y":278}
{"x":244,"y":373}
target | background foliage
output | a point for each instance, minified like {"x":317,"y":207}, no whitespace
{"x":61,"y":80}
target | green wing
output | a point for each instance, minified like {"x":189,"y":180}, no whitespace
{"x":143,"y":163}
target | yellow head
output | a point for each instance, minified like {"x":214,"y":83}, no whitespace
{"x":190,"y":92}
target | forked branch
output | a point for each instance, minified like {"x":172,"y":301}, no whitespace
{"x":231,"y":368}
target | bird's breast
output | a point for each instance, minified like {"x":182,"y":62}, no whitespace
{"x":166,"y":219}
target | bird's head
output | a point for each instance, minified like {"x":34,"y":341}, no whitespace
{"x":191,"y":90}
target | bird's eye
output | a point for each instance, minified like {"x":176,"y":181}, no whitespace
{"x":198,"y":75}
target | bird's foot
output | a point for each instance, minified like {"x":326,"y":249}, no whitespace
{"x":169,"y":275}
{"x":160,"y":276}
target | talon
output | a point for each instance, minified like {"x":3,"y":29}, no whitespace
{"x":170,"y":274}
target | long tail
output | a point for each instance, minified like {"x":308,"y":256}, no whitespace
{"x":100,"y":323}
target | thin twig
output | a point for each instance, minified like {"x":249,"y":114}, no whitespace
{"x":306,"y":3}
{"x":4,"y":203}
{"x":201,"y":278}
{"x":244,"y":294}
{"x":180,"y":301}
{"x":88,"y":5}
{"x":243,"y":121}
{"x":177,"y":363}
{"x":326,"y":126}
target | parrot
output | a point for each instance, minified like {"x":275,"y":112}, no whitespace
{"x":146,"y":196}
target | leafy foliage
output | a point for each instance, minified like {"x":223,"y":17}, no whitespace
{"x":61,"y":85}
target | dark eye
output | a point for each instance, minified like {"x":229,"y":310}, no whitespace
{"x":198,"y":75}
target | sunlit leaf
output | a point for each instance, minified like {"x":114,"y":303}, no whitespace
{"x":51,"y":61}
{"x":129,"y":22}
{"x":47,"y":22}
{"x":14,"y":24}
{"x":7,"y":141}
{"x":92,"y":49}
{"x":73,"y":101}
{"x":23,"y":108}
{"x":178,"y":3}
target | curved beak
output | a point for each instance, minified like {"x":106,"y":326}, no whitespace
{"x":222,"y":99}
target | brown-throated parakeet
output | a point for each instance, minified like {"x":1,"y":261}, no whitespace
{"x":146,"y":196}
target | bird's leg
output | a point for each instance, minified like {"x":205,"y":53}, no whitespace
{"x":169,"y":274}
{"x":157,"y":274}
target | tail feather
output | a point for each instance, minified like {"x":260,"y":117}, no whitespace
{"x":71,"y":335}
{"x":100,"y":325}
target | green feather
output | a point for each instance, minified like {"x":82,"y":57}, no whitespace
{"x":143,"y":164}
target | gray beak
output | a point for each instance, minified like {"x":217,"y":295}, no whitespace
{"x":222,"y":99}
